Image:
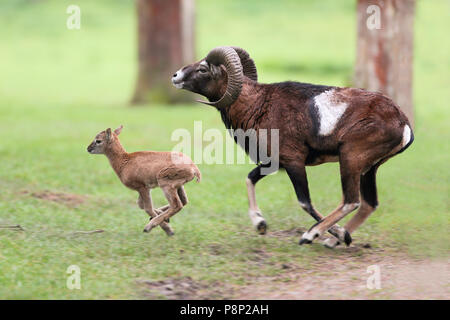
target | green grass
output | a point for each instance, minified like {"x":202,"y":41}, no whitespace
{"x":58,"y":88}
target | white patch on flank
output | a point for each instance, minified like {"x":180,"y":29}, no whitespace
{"x":406,"y":135}
{"x":177,"y":80}
{"x":329,"y":111}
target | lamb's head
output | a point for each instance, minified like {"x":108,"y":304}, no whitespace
{"x":218,"y":77}
{"x":103,"y":140}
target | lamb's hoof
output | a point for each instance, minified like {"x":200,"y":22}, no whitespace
{"x":148,"y":229}
{"x":331,"y":243}
{"x":347,"y":238}
{"x":262,"y":227}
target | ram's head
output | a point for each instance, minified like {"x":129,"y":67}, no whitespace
{"x":218,"y":77}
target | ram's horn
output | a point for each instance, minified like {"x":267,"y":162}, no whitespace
{"x":248,"y":65}
{"x":230,"y":59}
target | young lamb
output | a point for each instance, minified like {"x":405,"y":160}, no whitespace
{"x":145,"y":170}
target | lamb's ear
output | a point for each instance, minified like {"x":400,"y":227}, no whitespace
{"x":118,"y":130}
{"x":108,"y":134}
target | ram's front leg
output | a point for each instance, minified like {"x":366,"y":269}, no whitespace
{"x":254,"y":212}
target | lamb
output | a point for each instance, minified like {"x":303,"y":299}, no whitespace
{"x":317,"y":124}
{"x":145,"y":170}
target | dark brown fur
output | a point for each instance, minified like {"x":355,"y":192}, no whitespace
{"x":369,"y":132}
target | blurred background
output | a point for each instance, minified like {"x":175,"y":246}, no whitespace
{"x":60,"y":85}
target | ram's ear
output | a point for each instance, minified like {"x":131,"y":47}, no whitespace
{"x":118,"y":130}
{"x":108,"y":134}
{"x":217,"y":71}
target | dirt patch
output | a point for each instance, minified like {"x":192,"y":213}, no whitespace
{"x":287,"y":233}
{"x":68,"y":199}
{"x":343,"y":273}
{"x":184,"y":289}
{"x":346,"y":277}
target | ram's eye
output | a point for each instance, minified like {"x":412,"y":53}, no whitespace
{"x":202,"y":70}
{"x":98,"y":141}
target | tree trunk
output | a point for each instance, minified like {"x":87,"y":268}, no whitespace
{"x":385,"y":50}
{"x":165,"y":43}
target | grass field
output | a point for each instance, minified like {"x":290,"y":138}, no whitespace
{"x":58,"y":88}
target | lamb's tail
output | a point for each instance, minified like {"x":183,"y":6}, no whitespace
{"x":197,"y":174}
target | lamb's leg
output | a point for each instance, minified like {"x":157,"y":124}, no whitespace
{"x":144,"y":196}
{"x":161,"y":210}
{"x":183,"y":196}
{"x":175,"y":206}
{"x":140,"y":202}
{"x":158,"y":211}
{"x":184,"y":200}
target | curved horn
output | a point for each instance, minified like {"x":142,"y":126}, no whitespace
{"x":248,"y":65}
{"x":230,"y":59}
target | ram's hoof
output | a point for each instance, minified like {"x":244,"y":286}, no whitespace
{"x":347,"y":238}
{"x":331,"y":243}
{"x":304,"y":241}
{"x":148,"y":229}
{"x":262,"y":227}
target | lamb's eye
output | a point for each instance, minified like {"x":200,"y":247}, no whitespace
{"x":98,"y":141}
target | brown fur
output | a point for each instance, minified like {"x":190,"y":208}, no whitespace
{"x":368,"y":133}
{"x":145,"y":170}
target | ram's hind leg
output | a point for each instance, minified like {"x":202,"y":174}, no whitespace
{"x":297,"y":174}
{"x":369,"y":202}
{"x":351,"y":170}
